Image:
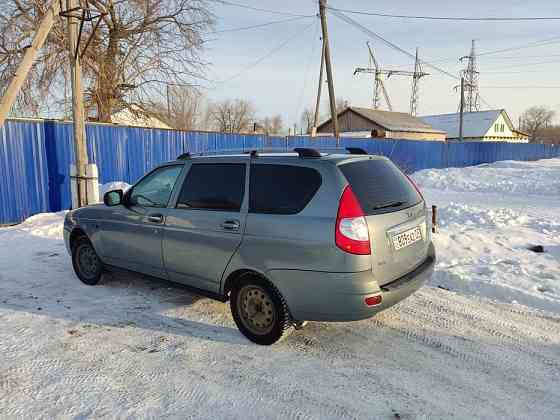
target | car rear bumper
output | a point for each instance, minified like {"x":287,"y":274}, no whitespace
{"x":320,"y":296}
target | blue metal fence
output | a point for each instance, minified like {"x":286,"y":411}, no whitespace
{"x":35,"y":156}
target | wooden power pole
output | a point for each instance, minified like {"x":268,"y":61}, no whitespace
{"x":30,"y":55}
{"x":332,"y":99}
{"x":80,"y":148}
{"x":319,"y":90}
{"x":461,"y":107}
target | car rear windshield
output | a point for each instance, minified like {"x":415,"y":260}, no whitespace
{"x":380,"y":186}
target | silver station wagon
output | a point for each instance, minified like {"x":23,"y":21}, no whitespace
{"x":286,"y":238}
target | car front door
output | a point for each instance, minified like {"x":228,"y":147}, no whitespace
{"x":206,"y":224}
{"x":132,"y":233}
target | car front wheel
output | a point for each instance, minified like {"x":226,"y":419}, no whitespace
{"x":259,"y":310}
{"x":87,"y":265}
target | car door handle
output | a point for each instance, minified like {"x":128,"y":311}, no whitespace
{"x":231,"y":225}
{"x":155,"y":218}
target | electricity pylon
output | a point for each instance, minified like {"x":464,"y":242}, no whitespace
{"x":379,"y":86}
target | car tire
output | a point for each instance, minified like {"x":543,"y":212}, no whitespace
{"x":259,"y":310}
{"x":87,"y":265}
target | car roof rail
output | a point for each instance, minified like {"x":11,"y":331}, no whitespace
{"x":356,"y":151}
{"x":305,"y":152}
{"x":252,"y":153}
{"x":184,"y":156}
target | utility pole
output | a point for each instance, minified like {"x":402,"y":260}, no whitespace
{"x":31,"y":54}
{"x":461,"y":106}
{"x":168,"y":102}
{"x":78,"y":113}
{"x":319,"y":90}
{"x":334,"y":116}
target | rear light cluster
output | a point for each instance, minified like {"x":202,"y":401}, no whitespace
{"x":373,"y":300}
{"x":351,"y":233}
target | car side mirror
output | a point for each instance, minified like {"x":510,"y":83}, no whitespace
{"x":113,"y":198}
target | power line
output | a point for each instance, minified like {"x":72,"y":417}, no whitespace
{"x":454,"y":18}
{"x":261,"y":25}
{"x":517,"y":72}
{"x":521,"y":87}
{"x":484,"y":54}
{"x":258,"y":9}
{"x":306,"y":74}
{"x":524,"y":64}
{"x":268,"y":54}
{"x":372,"y":34}
{"x":540,"y":43}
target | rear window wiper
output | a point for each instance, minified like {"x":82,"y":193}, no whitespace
{"x":387,"y":205}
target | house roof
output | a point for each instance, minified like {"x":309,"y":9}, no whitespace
{"x":390,"y":121}
{"x":475,"y":124}
{"x":138,"y":117}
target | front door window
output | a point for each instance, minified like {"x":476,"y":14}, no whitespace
{"x":155,"y":189}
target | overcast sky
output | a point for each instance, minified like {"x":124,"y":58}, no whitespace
{"x":285,"y":81}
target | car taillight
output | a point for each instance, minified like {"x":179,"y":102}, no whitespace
{"x":415,"y":186}
{"x":351,"y":233}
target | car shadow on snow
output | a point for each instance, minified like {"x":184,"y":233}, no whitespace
{"x":121,"y":300}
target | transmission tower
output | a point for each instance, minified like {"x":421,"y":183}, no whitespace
{"x":415,"y":95}
{"x":470,"y":74}
{"x":378,"y":85}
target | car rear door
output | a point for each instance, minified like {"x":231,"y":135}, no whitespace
{"x":206,"y":223}
{"x":395,"y":213}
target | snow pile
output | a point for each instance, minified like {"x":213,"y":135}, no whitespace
{"x":500,"y":177}
{"x":488,"y":216}
{"x":46,"y":225}
{"x":463,"y":216}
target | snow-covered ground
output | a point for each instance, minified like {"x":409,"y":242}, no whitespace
{"x":136,"y":348}
{"x":489,"y":216}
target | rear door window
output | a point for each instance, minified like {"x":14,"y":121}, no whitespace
{"x":281,"y":189}
{"x":380,"y":186}
{"x":213,"y":186}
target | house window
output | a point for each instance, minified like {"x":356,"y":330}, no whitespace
{"x":503,"y":128}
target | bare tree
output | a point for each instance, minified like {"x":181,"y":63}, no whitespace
{"x":549,"y":135}
{"x":341,"y":104}
{"x":185,"y":109}
{"x":307,"y":119}
{"x":232,"y":116}
{"x":534,"y":119}
{"x":140,"y":46}
{"x":272,"y":125}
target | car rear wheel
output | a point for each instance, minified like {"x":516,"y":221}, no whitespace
{"x":87,"y":265}
{"x":259,"y":310}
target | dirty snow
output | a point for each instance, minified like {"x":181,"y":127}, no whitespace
{"x":489,"y":347}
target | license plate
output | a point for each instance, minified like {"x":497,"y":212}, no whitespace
{"x":407,"y":238}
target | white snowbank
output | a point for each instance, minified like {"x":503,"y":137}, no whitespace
{"x":489,"y":215}
{"x":499,"y":177}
